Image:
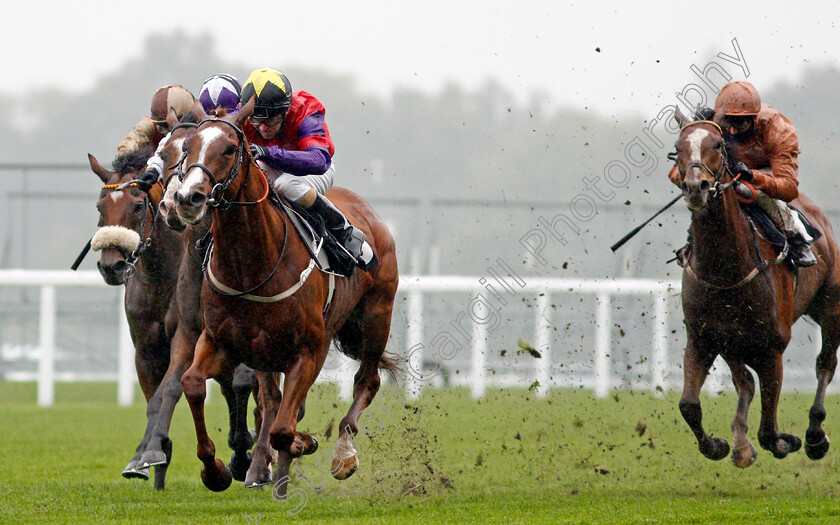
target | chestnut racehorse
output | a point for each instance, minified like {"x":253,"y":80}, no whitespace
{"x":268,"y":393}
{"x":138,"y":250}
{"x":287,"y":314}
{"x":740,"y":300}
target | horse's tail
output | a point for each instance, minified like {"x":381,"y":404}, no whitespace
{"x":348,"y":340}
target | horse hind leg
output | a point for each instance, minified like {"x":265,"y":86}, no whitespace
{"x":270,"y":396}
{"x":816,"y":440}
{"x":695,"y":369}
{"x":364,"y":339}
{"x":237,"y":391}
{"x":743,"y":451}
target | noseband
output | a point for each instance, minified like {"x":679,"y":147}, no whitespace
{"x":132,"y":257}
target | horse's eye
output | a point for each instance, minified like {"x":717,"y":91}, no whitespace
{"x":230,"y":150}
{"x":138,"y":207}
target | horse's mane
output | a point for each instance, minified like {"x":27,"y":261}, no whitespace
{"x":188,"y":118}
{"x":132,"y":161}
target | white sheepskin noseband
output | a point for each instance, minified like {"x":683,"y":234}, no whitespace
{"x":115,"y":237}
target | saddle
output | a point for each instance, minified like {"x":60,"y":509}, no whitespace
{"x":329,"y":255}
{"x":765,"y":227}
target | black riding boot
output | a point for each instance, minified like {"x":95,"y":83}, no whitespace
{"x":800,"y":251}
{"x":350,"y":238}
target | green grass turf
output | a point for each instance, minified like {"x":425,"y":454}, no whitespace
{"x":509,"y":458}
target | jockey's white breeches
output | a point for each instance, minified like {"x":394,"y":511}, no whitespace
{"x":294,"y":187}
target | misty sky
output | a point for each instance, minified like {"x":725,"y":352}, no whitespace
{"x":644,"y":59}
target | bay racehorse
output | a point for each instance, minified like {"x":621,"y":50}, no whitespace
{"x":139,"y":251}
{"x":287,"y":315}
{"x":740,"y":300}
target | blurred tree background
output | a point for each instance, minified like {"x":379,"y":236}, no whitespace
{"x":461,"y":175}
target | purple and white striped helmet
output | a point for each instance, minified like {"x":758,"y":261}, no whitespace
{"x":220,"y":90}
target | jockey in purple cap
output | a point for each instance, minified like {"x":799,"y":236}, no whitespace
{"x":221,"y":91}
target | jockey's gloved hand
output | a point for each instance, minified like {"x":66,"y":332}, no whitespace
{"x":739,"y":168}
{"x":259,"y":152}
{"x":147,"y":179}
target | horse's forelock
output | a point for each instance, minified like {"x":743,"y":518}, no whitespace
{"x":132,"y":161}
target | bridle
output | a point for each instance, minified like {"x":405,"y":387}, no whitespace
{"x":150,"y":209}
{"x":718,"y":188}
{"x":217,"y":197}
{"x":716,"y":191}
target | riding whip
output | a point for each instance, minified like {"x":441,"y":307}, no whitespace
{"x":636,"y":230}
{"x":81,"y":256}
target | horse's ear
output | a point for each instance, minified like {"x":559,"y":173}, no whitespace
{"x":97,"y":168}
{"x":719,"y":114}
{"x":171,"y":118}
{"x":198,"y":111}
{"x":244,"y":112}
{"x":681,"y":119}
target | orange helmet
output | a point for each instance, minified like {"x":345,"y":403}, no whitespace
{"x":738,"y":98}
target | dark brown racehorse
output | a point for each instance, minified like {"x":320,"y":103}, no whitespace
{"x":289,"y":326}
{"x":138,"y":250}
{"x":740,"y":302}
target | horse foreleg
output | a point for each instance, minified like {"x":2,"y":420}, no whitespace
{"x":158,"y":451}
{"x":299,"y":378}
{"x":696,"y":367}
{"x":770,"y":381}
{"x":743,"y":451}
{"x":816,"y":441}
{"x":269,"y":402}
{"x":150,"y":376}
{"x":208,"y":362}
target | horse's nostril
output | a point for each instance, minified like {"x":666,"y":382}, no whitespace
{"x":684,"y":186}
{"x":119,"y":267}
{"x":705,"y":185}
{"x":197,"y":199}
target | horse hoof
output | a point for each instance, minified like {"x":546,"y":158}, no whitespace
{"x":152,"y":458}
{"x":257,"y":477}
{"x":239,"y":464}
{"x":794,"y":443}
{"x":217,"y":479}
{"x":312,"y":448}
{"x":345,"y":467}
{"x":817,"y":451}
{"x":744,"y":456}
{"x":716,"y":448}
{"x":134,"y":471}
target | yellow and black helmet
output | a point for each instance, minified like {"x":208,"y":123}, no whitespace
{"x":272,"y":92}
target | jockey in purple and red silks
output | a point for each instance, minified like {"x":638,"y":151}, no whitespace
{"x":287,"y":132}
{"x":219,"y":91}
